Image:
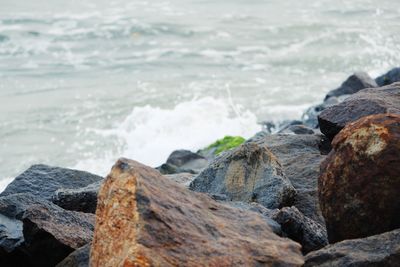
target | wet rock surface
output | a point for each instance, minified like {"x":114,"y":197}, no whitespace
{"x":379,"y":251}
{"x":359,"y":181}
{"x":311,"y":235}
{"x":153,"y":221}
{"x":300,"y":157}
{"x":249,"y":173}
{"x":43,"y":181}
{"x":390,"y":77}
{"x":366,"y":102}
{"x":80,"y":199}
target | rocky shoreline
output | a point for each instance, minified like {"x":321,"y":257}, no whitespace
{"x":320,"y":191}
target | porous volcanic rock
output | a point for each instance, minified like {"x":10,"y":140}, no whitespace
{"x":43,"y":181}
{"x":311,"y":235}
{"x":359,"y":182}
{"x":80,"y":199}
{"x":249,"y":173}
{"x":353,"y":84}
{"x":379,"y":250}
{"x":366,"y":102}
{"x":144,"y":219}
{"x":78,"y":258}
{"x":300,"y":157}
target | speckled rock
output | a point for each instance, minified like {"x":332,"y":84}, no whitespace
{"x":144,"y":219}
{"x":249,"y":173}
{"x":310,"y":234}
{"x":42,"y":181}
{"x":366,"y":102}
{"x":390,"y":77}
{"x":359,"y":182}
{"x":375,"y":251}
{"x":78,"y":258}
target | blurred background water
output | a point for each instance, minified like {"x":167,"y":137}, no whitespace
{"x":85,"y":82}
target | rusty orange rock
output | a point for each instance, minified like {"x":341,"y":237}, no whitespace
{"x":360,"y":179}
{"x":144,"y":219}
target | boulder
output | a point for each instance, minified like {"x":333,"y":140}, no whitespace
{"x":183,"y":161}
{"x":379,"y":250}
{"x":353,"y":84}
{"x":310,"y":116}
{"x":78,"y":258}
{"x":390,"y":77}
{"x":300,"y":157}
{"x":80,"y":199}
{"x":366,"y":102}
{"x":360,"y":181}
{"x":311,"y":235}
{"x":297,"y":129}
{"x":144,"y":219}
{"x":249,"y":173}
{"x":42,"y":180}
{"x":44,"y":234}
{"x":183,"y":178}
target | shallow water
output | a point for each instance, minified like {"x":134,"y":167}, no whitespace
{"x":84,"y":82}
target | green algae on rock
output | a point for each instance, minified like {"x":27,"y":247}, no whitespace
{"x":221,"y":145}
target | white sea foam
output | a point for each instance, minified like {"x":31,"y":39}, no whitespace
{"x":4,"y":182}
{"x":149,"y":134}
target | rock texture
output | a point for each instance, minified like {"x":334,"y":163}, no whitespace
{"x":366,"y":102}
{"x":300,"y":158}
{"x":311,"y":235}
{"x":380,"y":250}
{"x":45,"y":233}
{"x":353,"y":84}
{"x":144,"y":219}
{"x":388,"y":78}
{"x":360,"y":181}
{"x":81,"y":199}
{"x":249,"y":173}
{"x":43,"y":181}
{"x":78,"y":258}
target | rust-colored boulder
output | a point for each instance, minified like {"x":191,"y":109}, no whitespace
{"x":144,"y":219}
{"x":360,"y":179}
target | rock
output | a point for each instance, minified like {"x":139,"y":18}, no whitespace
{"x":388,"y":78}
{"x":143,"y":219}
{"x":81,"y":199}
{"x":379,"y":250}
{"x":43,"y":181}
{"x":300,"y":158}
{"x":221,"y":145}
{"x":311,"y":235}
{"x":353,"y":84}
{"x":366,"y":102}
{"x":186,"y":159}
{"x":78,"y":258}
{"x":181,"y":178}
{"x":249,"y":173}
{"x":297,"y":129}
{"x":360,"y":181}
{"x":310,"y":117}
{"x":45,"y":233}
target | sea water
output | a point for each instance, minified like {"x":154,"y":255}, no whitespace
{"x":85,"y":82}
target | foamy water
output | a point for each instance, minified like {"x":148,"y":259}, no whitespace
{"x":85,"y":82}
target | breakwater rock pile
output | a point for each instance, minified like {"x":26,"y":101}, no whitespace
{"x":319,"y":191}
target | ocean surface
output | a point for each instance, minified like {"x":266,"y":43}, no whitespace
{"x":85,"y":82}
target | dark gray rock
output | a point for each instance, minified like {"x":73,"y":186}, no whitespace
{"x":78,"y":258}
{"x":310,"y":234}
{"x":43,"y":181}
{"x":81,"y":199}
{"x":182,"y":178}
{"x":248,"y":173}
{"x":388,"y":78}
{"x":42,"y":234}
{"x":300,"y":156}
{"x":310,"y":117}
{"x":297,"y":129}
{"x":183,"y":161}
{"x":379,"y":250}
{"x":366,"y":102}
{"x":353,"y":84}
{"x":172,"y":169}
